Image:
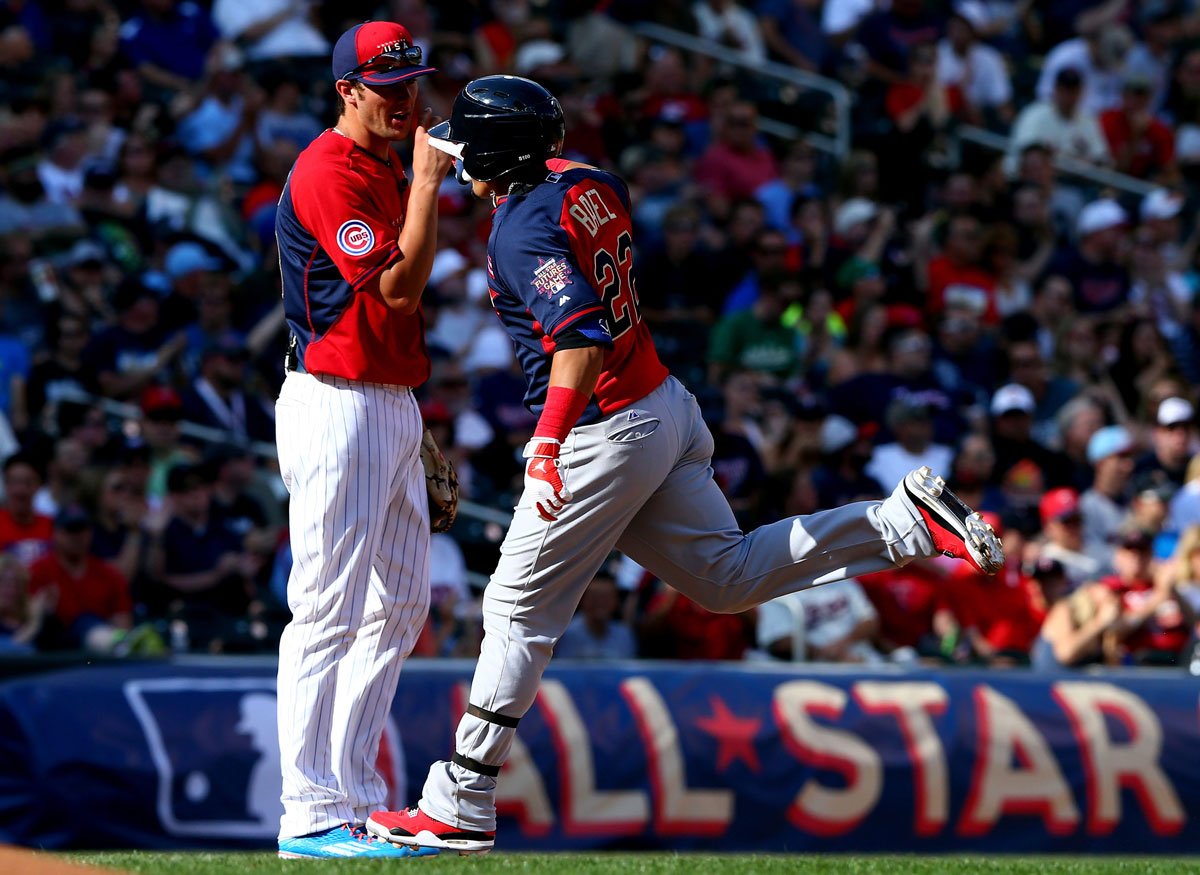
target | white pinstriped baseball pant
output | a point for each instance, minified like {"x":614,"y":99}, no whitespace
{"x":358,"y":591}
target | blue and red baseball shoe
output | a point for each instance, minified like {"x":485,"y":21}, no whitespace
{"x":346,"y":842}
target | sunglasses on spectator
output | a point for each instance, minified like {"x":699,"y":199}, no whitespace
{"x":408,"y":56}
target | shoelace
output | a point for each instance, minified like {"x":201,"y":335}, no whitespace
{"x":357,"y":832}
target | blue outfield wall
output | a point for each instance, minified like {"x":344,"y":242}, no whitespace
{"x":639,"y":755}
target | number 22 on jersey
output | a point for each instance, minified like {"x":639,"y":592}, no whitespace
{"x":614,"y":275}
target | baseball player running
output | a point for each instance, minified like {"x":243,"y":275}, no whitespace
{"x":620,"y":456}
{"x":356,"y":243}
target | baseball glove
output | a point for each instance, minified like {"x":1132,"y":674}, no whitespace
{"x":441,"y":483}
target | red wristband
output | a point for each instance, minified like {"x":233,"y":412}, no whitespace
{"x":560,"y":413}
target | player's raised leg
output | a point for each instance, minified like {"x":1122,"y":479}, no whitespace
{"x":687,"y":535}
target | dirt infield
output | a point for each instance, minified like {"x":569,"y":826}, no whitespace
{"x":16,"y":861}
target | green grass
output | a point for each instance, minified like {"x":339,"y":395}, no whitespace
{"x":152,"y":863}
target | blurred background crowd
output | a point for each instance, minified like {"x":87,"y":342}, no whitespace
{"x":1018,"y":315}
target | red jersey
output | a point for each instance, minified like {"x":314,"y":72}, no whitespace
{"x":1151,"y":152}
{"x":101,"y":590}
{"x":903,"y":96}
{"x":1000,"y":607}
{"x":338,"y":221}
{"x":28,"y":543}
{"x":906,"y":600}
{"x":696,"y":633}
{"x":1165,"y":629}
{"x":962,"y":288}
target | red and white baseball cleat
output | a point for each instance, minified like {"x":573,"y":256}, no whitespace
{"x":956,"y":529}
{"x":416,"y":828}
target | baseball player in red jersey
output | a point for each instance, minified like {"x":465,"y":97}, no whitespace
{"x":620,"y":456}
{"x":356,"y":243}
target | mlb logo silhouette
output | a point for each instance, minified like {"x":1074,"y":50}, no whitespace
{"x":215,"y":748}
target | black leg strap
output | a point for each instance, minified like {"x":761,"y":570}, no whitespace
{"x":475,"y":766}
{"x":493,"y":717}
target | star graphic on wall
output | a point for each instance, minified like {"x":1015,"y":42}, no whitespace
{"x":734,"y":735}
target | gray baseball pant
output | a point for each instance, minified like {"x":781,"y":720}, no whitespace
{"x":642,"y":484}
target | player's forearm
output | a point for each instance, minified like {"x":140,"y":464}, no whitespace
{"x":577,"y":369}
{"x":402,"y":284}
{"x":573,"y":377}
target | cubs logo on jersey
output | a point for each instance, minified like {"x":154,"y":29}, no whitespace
{"x":355,"y":237}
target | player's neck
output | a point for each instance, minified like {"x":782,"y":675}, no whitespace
{"x":352,"y":129}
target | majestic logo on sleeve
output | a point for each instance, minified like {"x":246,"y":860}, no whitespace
{"x":552,"y":276}
{"x":355,"y":237}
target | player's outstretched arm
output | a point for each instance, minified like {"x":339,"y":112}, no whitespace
{"x":402,"y":284}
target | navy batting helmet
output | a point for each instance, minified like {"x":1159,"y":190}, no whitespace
{"x":500,"y":124}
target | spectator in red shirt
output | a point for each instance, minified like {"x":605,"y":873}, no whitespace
{"x":956,"y":276}
{"x":920,"y":109}
{"x":90,"y":597}
{"x":1141,"y":145}
{"x":675,"y":627}
{"x":1153,"y":628}
{"x":23,"y":532}
{"x":736,"y":164}
{"x":911,"y":603}
{"x":998,"y":615}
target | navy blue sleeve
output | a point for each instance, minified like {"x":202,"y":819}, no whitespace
{"x":533,"y":261}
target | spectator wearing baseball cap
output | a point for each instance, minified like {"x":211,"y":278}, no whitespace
{"x":1153,"y":628}
{"x":1062,"y":525}
{"x":845,"y":451}
{"x":162,"y":410}
{"x":92,"y":598}
{"x":1172,"y":443}
{"x":1151,"y":498}
{"x":127,"y":357}
{"x":1075,"y":626}
{"x":1141,"y":145}
{"x":1059,"y":122}
{"x":1095,"y":262}
{"x":1106,"y":505}
{"x":973,"y":473}
{"x":910,"y":421}
{"x":217,"y":396}
{"x":1018,"y":455}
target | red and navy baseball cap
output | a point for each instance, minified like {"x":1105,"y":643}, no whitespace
{"x":378,"y":53}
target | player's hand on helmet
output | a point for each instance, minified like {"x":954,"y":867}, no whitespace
{"x":429,"y":165}
{"x":543,"y":478}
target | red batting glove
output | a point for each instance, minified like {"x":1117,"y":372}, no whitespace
{"x":543,"y":482}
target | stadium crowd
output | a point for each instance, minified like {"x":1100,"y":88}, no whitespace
{"x":843,"y":319}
